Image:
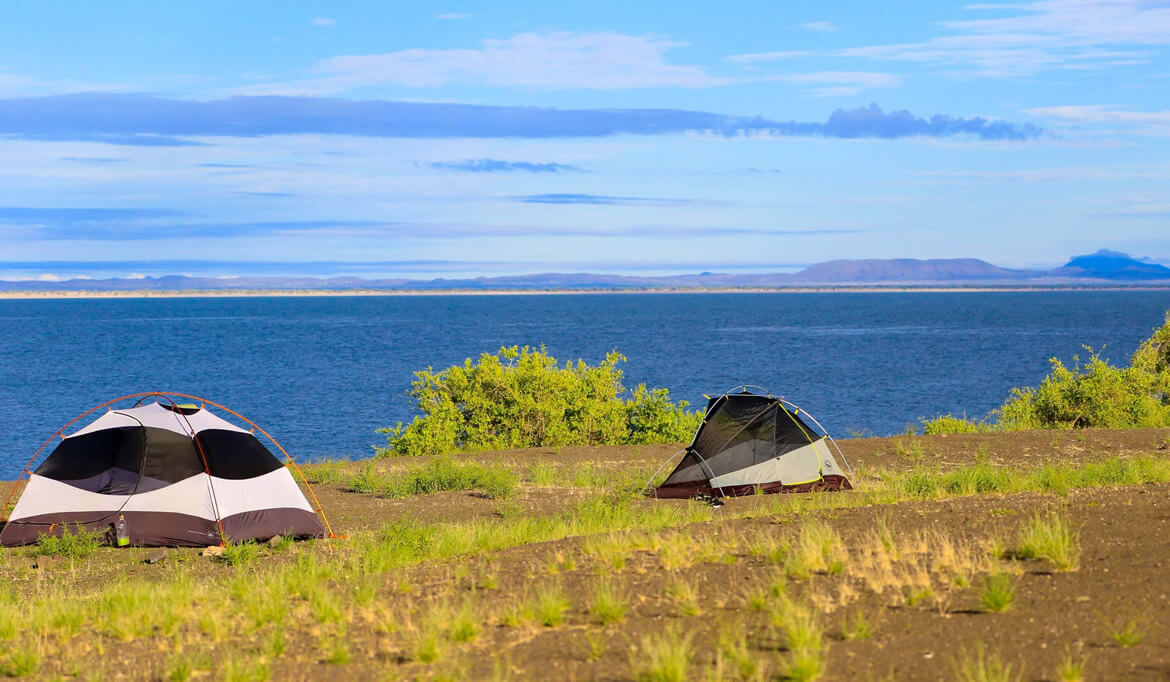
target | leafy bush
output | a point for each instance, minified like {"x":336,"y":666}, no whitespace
{"x":1094,"y":395}
{"x":520,"y":397}
{"x":438,"y":475}
{"x":238,"y":553}
{"x":73,"y":545}
{"x":948,"y":423}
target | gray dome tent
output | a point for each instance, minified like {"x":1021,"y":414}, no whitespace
{"x":174,"y":475}
{"x":751,"y":443}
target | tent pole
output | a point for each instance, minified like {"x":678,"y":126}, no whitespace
{"x":659,"y":470}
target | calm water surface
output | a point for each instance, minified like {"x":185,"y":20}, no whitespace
{"x":322,"y":373}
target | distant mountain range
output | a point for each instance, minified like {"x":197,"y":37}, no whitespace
{"x":1101,"y":268}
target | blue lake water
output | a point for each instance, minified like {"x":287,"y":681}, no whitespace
{"x":322,"y":373}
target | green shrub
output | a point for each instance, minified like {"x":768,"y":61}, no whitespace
{"x":440,"y":474}
{"x":73,"y":545}
{"x":238,"y":553}
{"x":948,"y":423}
{"x":1096,"y":395}
{"x":520,"y":397}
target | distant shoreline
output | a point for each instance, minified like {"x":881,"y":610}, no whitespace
{"x":289,"y":293}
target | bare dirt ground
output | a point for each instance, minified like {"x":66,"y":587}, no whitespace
{"x":1123,"y":579}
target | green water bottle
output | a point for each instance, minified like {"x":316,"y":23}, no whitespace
{"x":120,"y":531}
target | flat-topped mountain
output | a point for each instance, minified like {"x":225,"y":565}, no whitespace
{"x":1114,"y":265}
{"x":909,"y":270}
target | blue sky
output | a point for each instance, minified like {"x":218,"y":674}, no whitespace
{"x":421,"y":140}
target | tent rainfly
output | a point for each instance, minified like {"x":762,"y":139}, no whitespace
{"x":169,"y":474}
{"x":751,"y":443}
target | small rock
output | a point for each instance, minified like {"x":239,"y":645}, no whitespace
{"x":214,"y":550}
{"x":1083,"y":597}
{"x":43,"y":562}
{"x":154,"y":558}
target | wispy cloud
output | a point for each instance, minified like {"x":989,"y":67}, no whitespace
{"x":819,"y":26}
{"x":111,"y":225}
{"x":1038,"y":36}
{"x":128,"y":140}
{"x":605,"y":200}
{"x":498,"y":166}
{"x":553,"y":60}
{"x":1063,"y":174}
{"x":560,"y":60}
{"x":1156,"y":123}
{"x":323,"y":22}
{"x":27,"y":214}
{"x":1141,"y":209}
{"x":93,"y":160}
{"x":761,"y":57}
{"x":133,"y":119}
{"x":839,"y":83}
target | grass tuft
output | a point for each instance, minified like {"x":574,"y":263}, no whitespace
{"x":238,"y":553}
{"x":608,"y":605}
{"x":1072,"y":667}
{"x":856,"y":628}
{"x":1049,"y":537}
{"x":1127,"y":634}
{"x":980,"y":666}
{"x":663,"y":657}
{"x":685,"y":595}
{"x":550,"y":605}
{"x":999,"y":591}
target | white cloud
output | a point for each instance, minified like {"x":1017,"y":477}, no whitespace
{"x":819,"y":26}
{"x":452,"y":16}
{"x":12,"y":85}
{"x":1153,"y":123}
{"x":757,"y":57}
{"x":560,"y":60}
{"x":838,"y":83}
{"x":323,"y":21}
{"x":1101,"y":113}
{"x":1037,"y":36}
{"x":1057,"y":174}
